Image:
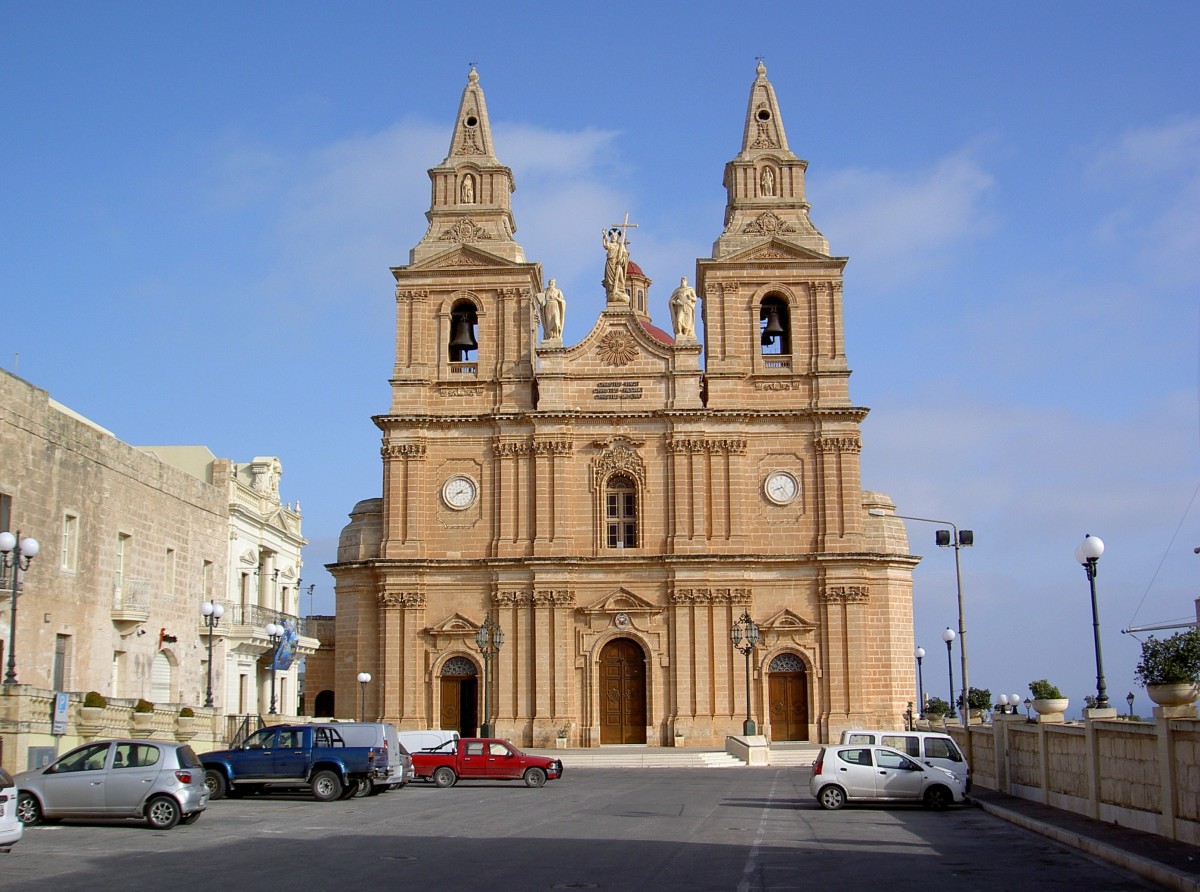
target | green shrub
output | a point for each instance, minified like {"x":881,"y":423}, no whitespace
{"x":187,"y":713}
{"x":1043,"y":690}
{"x":1174,"y":660}
{"x":143,"y":706}
{"x":936,"y":706}
{"x":94,"y":699}
{"x":979,"y":698}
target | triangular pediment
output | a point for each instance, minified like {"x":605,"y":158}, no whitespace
{"x":785,"y":622}
{"x":462,"y":257}
{"x":456,"y":626}
{"x":774,"y":249}
{"x":621,"y":600}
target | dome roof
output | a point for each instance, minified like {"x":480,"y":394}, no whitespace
{"x":634,"y":270}
{"x":657,"y":333}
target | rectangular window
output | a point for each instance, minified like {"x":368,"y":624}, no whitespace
{"x":118,"y":657}
{"x":62,"y":662}
{"x":119,"y":574}
{"x":169,"y":572}
{"x":5,"y":512}
{"x":70,"y":541}
{"x":206,"y":580}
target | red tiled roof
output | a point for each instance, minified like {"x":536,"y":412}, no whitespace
{"x":634,"y":270}
{"x":655,"y":332}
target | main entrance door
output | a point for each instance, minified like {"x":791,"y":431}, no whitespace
{"x":459,"y":690}
{"x":622,"y":692}
{"x":787,"y":690}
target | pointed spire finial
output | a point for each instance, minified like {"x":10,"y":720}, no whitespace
{"x":761,"y":69}
{"x":473,"y":77}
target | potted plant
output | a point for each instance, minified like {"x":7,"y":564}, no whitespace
{"x":1169,"y":669}
{"x":143,"y":714}
{"x":1047,"y":699}
{"x":92,"y":711}
{"x":185,"y":724}
{"x":979,"y":700}
{"x":560,"y":741}
{"x":936,"y":709}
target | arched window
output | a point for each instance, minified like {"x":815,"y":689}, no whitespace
{"x":620,"y":513}
{"x":463,"y":321}
{"x":773,"y":327}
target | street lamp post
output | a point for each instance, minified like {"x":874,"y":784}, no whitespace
{"x":364,"y":679}
{"x":1129,"y":699}
{"x":1088,"y":554}
{"x":948,"y":636}
{"x":489,"y":638}
{"x":18,"y":559}
{"x":275,"y":633}
{"x":920,"y":654}
{"x":212,"y":616}
{"x":744,"y":634}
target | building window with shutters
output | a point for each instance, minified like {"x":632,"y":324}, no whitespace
{"x":620,"y":513}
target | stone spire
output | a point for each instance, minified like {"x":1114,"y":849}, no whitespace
{"x":765,"y":182}
{"x":472,"y":191}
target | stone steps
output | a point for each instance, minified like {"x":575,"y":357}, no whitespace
{"x":788,"y":756}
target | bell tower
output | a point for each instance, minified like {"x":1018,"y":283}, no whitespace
{"x":772,"y":292}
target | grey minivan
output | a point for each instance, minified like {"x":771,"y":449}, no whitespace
{"x":158,"y":782}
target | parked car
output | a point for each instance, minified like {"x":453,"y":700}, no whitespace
{"x":162,"y":783}
{"x":930,"y":747}
{"x":282,"y":756}
{"x":430,"y":739}
{"x":473,"y":758}
{"x":384,"y":736}
{"x":852,"y":773}
{"x":10,"y":826}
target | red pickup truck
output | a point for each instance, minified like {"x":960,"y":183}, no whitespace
{"x":475,"y":758}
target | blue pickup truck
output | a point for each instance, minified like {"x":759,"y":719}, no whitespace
{"x":281,"y":756}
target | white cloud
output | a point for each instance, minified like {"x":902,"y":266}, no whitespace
{"x":899,"y":225}
{"x":1154,"y":172}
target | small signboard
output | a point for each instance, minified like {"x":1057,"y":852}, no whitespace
{"x":62,"y":702}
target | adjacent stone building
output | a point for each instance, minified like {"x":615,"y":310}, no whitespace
{"x":614,"y":507}
{"x":133,"y":541}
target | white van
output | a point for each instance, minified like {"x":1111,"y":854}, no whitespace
{"x":385,"y":736}
{"x":415,"y":741}
{"x":931,"y":747}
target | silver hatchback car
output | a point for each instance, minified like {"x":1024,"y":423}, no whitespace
{"x":159,"y":782}
{"x":855,"y":773}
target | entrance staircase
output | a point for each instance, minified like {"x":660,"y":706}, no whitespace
{"x":785,"y":755}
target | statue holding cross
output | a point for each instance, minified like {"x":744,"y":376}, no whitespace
{"x":616,"y":247}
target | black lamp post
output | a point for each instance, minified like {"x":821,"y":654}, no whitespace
{"x":275,"y":633}
{"x":1028,"y":714}
{"x":948,"y":636}
{"x":489,"y":639}
{"x":920,"y":654}
{"x":212,"y":617}
{"x":744,"y":634}
{"x":18,"y":559}
{"x":1129,"y":700}
{"x":364,"y":679}
{"x":1088,"y":554}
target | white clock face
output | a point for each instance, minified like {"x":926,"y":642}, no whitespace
{"x":459,"y":492}
{"x":781,"y":488}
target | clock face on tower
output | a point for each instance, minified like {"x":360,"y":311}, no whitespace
{"x":781,"y":488}
{"x":459,"y":492}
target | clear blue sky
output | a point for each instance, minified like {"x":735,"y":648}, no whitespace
{"x":200,"y":203}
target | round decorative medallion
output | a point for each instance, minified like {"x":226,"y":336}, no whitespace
{"x":781,"y":488}
{"x":621,"y":621}
{"x":460,"y":492}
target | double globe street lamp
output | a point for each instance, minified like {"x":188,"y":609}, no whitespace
{"x":364,"y":679}
{"x":275,"y":633}
{"x":17,"y":559}
{"x":212,"y":613}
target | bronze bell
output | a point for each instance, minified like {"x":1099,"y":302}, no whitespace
{"x":464,"y":336}
{"x":773,"y":329}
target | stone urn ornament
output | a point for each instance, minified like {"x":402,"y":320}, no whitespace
{"x":1048,"y":700}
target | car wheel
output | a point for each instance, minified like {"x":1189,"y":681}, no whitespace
{"x":163,"y":813}
{"x":376,"y":789}
{"x":362,"y":787}
{"x":937,"y":798}
{"x":831,"y":797}
{"x":444,"y":777}
{"x":192,"y":818}
{"x":535,"y":777}
{"x":218,"y":787}
{"x":29,"y":810}
{"x":326,"y":786}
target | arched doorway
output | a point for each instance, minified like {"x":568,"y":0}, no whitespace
{"x":622,"y":692}
{"x":323,"y":705}
{"x":787,"y":691}
{"x":459,"y":690}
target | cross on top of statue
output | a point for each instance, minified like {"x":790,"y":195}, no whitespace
{"x":624,"y":228}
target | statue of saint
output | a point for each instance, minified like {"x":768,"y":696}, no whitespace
{"x":552,"y":307}
{"x":468,"y":189}
{"x":683,"y":310}
{"x":616,"y":264}
{"x":768,"y":181}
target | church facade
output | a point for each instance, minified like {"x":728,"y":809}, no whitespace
{"x":615,"y":513}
